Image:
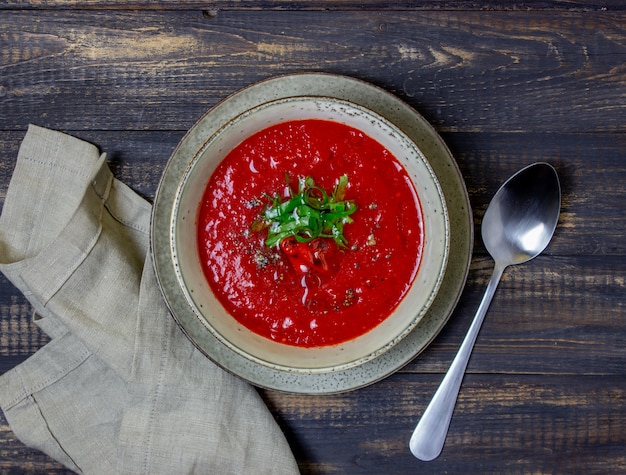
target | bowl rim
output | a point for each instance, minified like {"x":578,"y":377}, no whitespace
{"x":414,"y":316}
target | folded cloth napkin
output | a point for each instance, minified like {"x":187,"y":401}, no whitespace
{"x":119,"y":388}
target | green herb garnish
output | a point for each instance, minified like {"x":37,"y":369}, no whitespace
{"x":308,"y":214}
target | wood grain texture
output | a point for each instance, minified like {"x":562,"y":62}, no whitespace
{"x":579,"y":279}
{"x":545,"y":319}
{"x":502,"y":424}
{"x":503,"y":72}
{"x":505,"y":83}
{"x":214,"y":6}
{"x":591,"y":169}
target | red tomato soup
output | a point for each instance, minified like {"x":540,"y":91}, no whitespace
{"x":347,"y":290}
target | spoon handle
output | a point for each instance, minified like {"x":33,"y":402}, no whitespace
{"x":430,"y":434}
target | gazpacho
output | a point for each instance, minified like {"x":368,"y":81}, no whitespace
{"x":310,"y":233}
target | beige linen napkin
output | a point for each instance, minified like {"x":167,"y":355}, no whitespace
{"x":119,"y":388}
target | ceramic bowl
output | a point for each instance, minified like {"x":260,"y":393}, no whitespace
{"x":222,"y":326}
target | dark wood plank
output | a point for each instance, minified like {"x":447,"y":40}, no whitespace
{"x":214,"y":6}
{"x":591,"y":169}
{"x":546,"y":314}
{"x":503,"y":424}
{"x":554,"y":315}
{"x":466,"y":71}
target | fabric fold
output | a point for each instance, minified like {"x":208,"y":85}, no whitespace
{"x":66,"y":403}
{"x":75,"y":241}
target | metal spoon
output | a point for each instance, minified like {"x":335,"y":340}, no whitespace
{"x":517,"y":227}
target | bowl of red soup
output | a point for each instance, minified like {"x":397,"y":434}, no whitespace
{"x":308,"y":234}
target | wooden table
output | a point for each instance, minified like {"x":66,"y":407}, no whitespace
{"x":504,"y":83}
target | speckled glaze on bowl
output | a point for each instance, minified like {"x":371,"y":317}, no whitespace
{"x":344,"y":377}
{"x":272,"y":354}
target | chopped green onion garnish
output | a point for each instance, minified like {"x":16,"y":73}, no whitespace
{"x":308,"y":214}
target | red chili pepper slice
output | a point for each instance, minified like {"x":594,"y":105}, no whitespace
{"x":307,"y":257}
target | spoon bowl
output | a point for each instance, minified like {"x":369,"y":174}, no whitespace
{"x":522,"y":215}
{"x":517,"y":226}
